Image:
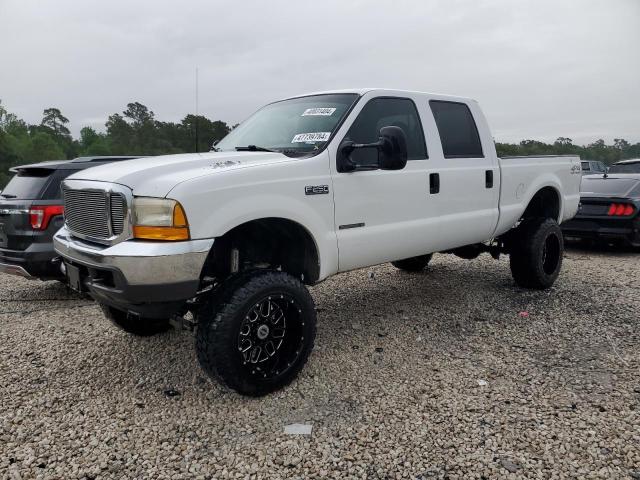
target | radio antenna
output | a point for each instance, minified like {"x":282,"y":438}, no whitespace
{"x":197,"y":120}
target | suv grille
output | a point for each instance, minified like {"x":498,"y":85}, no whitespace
{"x":94,"y":213}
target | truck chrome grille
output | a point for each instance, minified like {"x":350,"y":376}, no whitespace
{"x":117,"y":209}
{"x":94,"y":213}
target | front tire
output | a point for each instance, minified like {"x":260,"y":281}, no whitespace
{"x":413,"y":264}
{"x":140,"y":326}
{"x":536,"y":253}
{"x":256,"y":334}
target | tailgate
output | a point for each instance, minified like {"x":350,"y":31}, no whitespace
{"x":29,"y":186}
{"x":15,"y":229}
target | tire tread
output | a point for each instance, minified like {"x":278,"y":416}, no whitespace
{"x":216,"y":322}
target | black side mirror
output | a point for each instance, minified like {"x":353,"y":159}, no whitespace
{"x":391,"y":146}
{"x":393,"y":151}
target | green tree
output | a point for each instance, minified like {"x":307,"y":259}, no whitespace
{"x":563,"y":142}
{"x":208,"y":132}
{"x":93,"y":143}
{"x":120,"y":134}
{"x":621,"y":144}
{"x":44,"y":147}
{"x":54,"y":120}
{"x":139,"y":114}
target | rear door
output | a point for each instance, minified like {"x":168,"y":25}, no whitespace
{"x":467,"y":172}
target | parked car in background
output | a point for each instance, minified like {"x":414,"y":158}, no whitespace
{"x":590,"y":167}
{"x":608,"y":210}
{"x":626,"y":166}
{"x":31,"y":212}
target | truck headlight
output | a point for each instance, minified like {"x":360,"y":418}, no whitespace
{"x":159,"y":219}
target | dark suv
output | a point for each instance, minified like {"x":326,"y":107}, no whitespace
{"x":31,"y":212}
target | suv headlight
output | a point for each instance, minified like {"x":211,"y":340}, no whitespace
{"x":159,"y":219}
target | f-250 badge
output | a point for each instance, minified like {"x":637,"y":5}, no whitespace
{"x":316,"y":189}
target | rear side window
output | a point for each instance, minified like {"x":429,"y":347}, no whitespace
{"x":27,"y":184}
{"x":385,"y":112}
{"x":457,"y":129}
{"x":625,"y":168}
{"x":54,"y":190}
{"x":585,"y":166}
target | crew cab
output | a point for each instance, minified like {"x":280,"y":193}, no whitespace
{"x":306,"y":188}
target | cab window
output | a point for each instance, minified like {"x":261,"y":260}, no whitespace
{"x":457,"y":128}
{"x":384,"y":112}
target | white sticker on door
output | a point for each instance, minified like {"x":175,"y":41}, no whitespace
{"x":318,"y":112}
{"x":311,"y":137}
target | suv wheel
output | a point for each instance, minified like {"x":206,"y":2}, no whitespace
{"x":140,"y":326}
{"x":536,"y":253}
{"x":256,"y":334}
{"x":413,"y":264}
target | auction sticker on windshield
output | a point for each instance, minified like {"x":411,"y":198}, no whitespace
{"x":311,"y":137}
{"x":318,"y":111}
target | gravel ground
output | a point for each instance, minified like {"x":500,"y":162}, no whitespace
{"x":434,"y":375}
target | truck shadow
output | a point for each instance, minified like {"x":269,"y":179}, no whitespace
{"x":359,"y":319}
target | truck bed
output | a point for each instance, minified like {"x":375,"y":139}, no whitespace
{"x":522,"y":176}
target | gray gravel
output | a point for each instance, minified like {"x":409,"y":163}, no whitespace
{"x":393,"y":389}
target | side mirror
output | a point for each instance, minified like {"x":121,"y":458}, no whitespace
{"x":392,"y":151}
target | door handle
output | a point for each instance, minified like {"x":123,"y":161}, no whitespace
{"x":434,"y":183}
{"x":488,"y":179}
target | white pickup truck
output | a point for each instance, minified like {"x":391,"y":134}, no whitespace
{"x":306,"y":188}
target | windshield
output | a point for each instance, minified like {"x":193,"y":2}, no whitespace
{"x":625,"y":168}
{"x":297,"y":126}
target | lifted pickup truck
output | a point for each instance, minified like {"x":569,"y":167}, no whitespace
{"x":304,"y":189}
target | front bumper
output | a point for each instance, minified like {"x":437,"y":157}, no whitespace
{"x":148,"y":278}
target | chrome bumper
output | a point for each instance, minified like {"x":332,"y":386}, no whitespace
{"x":140,"y":263}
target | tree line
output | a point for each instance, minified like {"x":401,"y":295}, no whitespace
{"x":136,"y":131}
{"x":598,"y":150}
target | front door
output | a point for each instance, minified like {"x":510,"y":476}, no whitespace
{"x":383,"y":215}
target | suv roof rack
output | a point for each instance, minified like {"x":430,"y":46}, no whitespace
{"x":112,"y":158}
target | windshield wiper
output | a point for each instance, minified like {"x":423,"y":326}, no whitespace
{"x":7,"y":195}
{"x":253,"y":148}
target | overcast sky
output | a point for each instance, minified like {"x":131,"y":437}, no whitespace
{"x":539,"y":68}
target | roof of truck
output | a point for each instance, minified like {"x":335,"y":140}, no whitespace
{"x":362,"y":91}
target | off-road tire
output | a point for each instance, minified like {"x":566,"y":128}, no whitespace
{"x":536,"y":252}
{"x":413,"y":264}
{"x":228,"y":313}
{"x":140,"y":326}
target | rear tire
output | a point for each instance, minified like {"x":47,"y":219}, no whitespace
{"x":413,"y":264}
{"x":536,"y":253}
{"x":140,"y":326}
{"x":257,"y":332}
